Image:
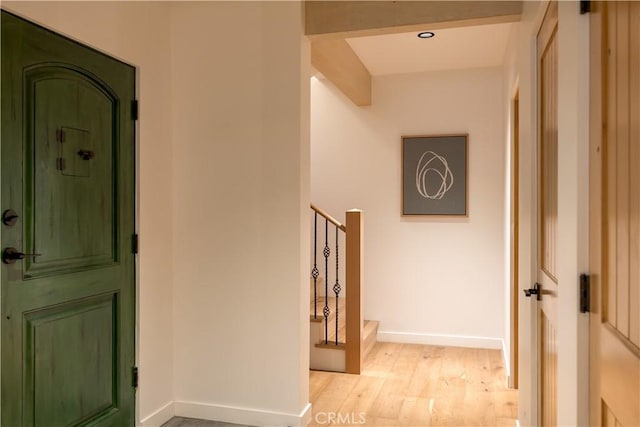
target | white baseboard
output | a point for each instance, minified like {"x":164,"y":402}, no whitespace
{"x":438,"y":339}
{"x":159,"y":417}
{"x":305,"y":415}
{"x":507,"y":362}
{"x":246,"y":416}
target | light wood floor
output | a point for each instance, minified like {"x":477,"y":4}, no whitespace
{"x":417,"y":385}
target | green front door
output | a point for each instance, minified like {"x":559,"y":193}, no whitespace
{"x":67,"y":314}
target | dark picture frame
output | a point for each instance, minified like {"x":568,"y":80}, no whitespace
{"x":435,"y":175}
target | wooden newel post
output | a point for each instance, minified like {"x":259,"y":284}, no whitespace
{"x":354,"y":276}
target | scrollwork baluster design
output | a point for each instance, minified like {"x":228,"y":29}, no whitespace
{"x":327,"y":252}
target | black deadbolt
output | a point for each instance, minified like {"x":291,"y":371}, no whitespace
{"x":10,"y":217}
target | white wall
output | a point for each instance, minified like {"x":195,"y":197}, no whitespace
{"x":136,"y":33}
{"x":240,"y":104}
{"x":434,"y":280}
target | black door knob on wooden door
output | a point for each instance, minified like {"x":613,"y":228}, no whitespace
{"x":534,"y":291}
{"x":11,"y":255}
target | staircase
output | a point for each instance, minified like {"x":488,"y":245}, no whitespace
{"x":327,"y":356}
{"x":339,"y":337}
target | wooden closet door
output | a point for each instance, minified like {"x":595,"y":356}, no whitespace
{"x":615,"y":215}
{"x":547,"y":48}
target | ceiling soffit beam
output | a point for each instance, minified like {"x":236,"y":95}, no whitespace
{"x":342,"y":19}
{"x":329,"y":23}
{"x":336,"y":60}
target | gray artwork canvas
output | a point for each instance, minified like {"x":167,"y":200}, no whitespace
{"x":434,"y":175}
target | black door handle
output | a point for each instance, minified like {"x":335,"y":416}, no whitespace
{"x":11,"y":255}
{"x":86,"y":154}
{"x":536,"y":290}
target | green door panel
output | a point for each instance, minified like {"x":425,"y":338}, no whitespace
{"x":62,"y":390}
{"x":67,"y":316}
{"x":70,"y":153}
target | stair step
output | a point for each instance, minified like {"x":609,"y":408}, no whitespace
{"x":331,"y":303}
{"x":331,"y":345}
{"x":369,"y":333}
{"x":342,"y":316}
{"x":369,"y":339}
{"x":342,"y":305}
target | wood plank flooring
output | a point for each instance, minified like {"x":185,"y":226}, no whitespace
{"x":417,"y":385}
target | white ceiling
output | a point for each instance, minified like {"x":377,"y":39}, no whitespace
{"x":452,"y":48}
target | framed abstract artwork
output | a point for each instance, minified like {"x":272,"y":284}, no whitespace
{"x":434,"y":175}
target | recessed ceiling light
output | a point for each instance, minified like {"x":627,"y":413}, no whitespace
{"x":426,"y":35}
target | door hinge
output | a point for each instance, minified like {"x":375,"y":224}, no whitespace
{"x":585,"y":293}
{"x":134,"y":244}
{"x":61,"y":136}
{"x":585,"y":6}
{"x":61,"y":164}
{"x":134,"y":109}
{"x":134,"y":377}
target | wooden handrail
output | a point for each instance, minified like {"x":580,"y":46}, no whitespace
{"x":329,"y":218}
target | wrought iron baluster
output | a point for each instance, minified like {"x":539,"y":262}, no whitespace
{"x":336,"y":287}
{"x":326,"y":252}
{"x":315,"y":273}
